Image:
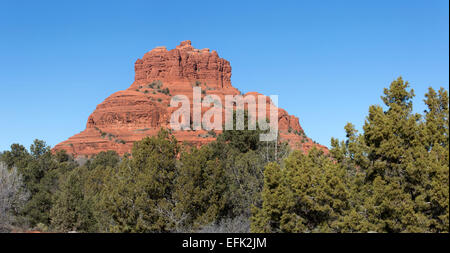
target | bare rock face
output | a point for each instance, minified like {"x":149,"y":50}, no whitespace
{"x":142,"y":109}
{"x":183,"y":64}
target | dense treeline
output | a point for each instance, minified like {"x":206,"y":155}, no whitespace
{"x":393,"y":177}
{"x":162,"y":187}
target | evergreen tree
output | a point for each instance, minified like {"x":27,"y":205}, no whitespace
{"x":392,"y":178}
{"x":308,"y":194}
{"x":437,"y":145}
{"x":200,"y":188}
{"x":137,"y":196}
{"x":403,"y":160}
{"x":71,"y":210}
{"x":38,"y":171}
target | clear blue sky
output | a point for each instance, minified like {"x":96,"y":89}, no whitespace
{"x":327,"y":60}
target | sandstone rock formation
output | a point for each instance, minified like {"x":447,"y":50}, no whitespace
{"x":142,"y":109}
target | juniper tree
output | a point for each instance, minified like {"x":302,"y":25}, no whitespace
{"x":138,"y":194}
{"x":308,"y":194}
{"x":395,"y":174}
{"x":72,"y":210}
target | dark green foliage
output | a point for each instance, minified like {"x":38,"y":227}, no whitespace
{"x":212,"y":133}
{"x":300,"y":133}
{"x":155,"y":84}
{"x":104,"y":160}
{"x":394,"y":177}
{"x":137,"y":195}
{"x":18,"y":156}
{"x":120,"y":141}
{"x":200,"y":188}
{"x":308,"y":195}
{"x":166,"y":91}
{"x":39,"y":173}
{"x":242,"y":140}
{"x":72,"y":210}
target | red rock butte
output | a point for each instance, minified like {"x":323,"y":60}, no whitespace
{"x":141,"y":110}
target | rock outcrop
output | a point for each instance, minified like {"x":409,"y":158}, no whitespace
{"x":141,"y":110}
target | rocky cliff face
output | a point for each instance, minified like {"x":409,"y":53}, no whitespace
{"x":142,"y":109}
{"x":183,"y":64}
